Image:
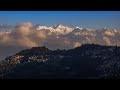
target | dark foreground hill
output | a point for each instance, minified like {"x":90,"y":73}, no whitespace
{"x":88,"y":61}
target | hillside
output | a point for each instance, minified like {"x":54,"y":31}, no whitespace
{"x":89,"y":61}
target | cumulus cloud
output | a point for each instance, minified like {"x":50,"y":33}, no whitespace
{"x":23,"y":36}
{"x":106,"y":41}
{"x":76,"y":44}
{"x":53,"y":42}
{"x":109,"y":33}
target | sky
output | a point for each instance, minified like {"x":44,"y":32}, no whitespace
{"x":87,"y":19}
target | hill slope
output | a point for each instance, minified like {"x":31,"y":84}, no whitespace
{"x":88,"y":61}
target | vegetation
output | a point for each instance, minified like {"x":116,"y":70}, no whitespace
{"x":88,"y":61}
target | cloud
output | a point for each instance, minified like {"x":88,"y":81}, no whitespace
{"x":25,"y":35}
{"x":106,"y":41}
{"x":53,"y":42}
{"x":109,"y":33}
{"x":76,"y":44}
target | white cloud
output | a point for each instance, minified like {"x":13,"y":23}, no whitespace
{"x":109,"y":33}
{"x":76,"y":44}
{"x":106,"y":41}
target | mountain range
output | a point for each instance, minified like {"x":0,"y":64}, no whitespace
{"x":26,"y":35}
{"x":88,"y":61}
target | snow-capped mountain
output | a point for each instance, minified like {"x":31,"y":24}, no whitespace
{"x":83,"y":31}
{"x":56,"y":29}
{"x":60,"y":29}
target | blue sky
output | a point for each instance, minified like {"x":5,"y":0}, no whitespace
{"x":87,"y":19}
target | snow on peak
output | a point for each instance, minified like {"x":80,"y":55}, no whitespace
{"x":78,"y":28}
{"x":58,"y":26}
{"x":61,"y":29}
{"x":115,"y":30}
{"x":39,"y":27}
{"x":57,"y":29}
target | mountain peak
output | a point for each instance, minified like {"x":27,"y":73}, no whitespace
{"x":77,"y":27}
{"x":34,"y":51}
{"x":57,"y":26}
